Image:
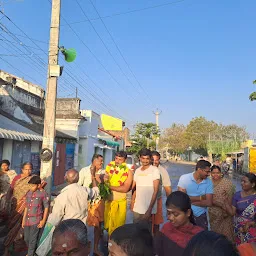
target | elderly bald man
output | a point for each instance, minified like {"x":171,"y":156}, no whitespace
{"x":72,"y":201}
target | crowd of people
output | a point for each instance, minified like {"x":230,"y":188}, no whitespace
{"x":204,"y":216}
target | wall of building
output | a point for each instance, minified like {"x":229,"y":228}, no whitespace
{"x":35,"y":156}
{"x":91,"y":126}
{"x":11,"y":107}
{"x":89,"y":141}
{"x":24,"y":97}
{"x":68,"y":107}
{"x":87,"y":148}
{"x":22,"y":84}
{"x":108,"y":156}
{"x":82,"y":153}
{"x":68,"y":126}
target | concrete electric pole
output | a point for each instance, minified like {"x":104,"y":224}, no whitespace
{"x":157,"y":114}
{"x":47,"y":152}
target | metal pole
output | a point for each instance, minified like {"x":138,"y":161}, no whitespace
{"x":50,"y":102}
{"x":157,"y":113}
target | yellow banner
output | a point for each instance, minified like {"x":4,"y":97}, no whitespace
{"x":252,"y":163}
{"x":247,"y":144}
{"x":111,"y":123}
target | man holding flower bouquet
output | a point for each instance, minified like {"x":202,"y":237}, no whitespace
{"x":95,"y":205}
{"x":120,"y":179}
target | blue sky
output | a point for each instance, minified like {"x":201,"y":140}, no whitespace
{"x":193,"y":58}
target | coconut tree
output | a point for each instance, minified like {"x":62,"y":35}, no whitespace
{"x":252,"y":97}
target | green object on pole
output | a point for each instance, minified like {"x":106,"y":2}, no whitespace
{"x":70,"y":54}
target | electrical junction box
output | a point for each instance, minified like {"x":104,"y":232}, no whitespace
{"x":54,"y":71}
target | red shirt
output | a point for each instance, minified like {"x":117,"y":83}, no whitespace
{"x":36,"y":202}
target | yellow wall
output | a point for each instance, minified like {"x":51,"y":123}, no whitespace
{"x":252,"y":161}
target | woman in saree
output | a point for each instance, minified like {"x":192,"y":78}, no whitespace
{"x":244,"y":210}
{"x":17,"y":193}
{"x":220,"y":220}
{"x":175,"y":234}
{"x":6,"y":178}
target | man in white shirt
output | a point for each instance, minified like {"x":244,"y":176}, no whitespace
{"x":146,"y":181}
{"x":165,"y":182}
{"x":72,"y":202}
{"x":96,"y":210}
{"x":85,"y":174}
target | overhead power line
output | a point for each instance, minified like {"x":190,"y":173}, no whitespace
{"x":106,"y":47}
{"x":121,"y":54}
{"x":42,"y":62}
{"x":129,"y":12}
{"x":98,"y":60}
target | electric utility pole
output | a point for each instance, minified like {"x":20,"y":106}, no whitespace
{"x":157,"y":114}
{"x":50,"y":102}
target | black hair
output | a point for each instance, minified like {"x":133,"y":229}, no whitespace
{"x":145,"y":152}
{"x":121,"y":154}
{"x":155,"y":153}
{"x":96,"y":156}
{"x":35,"y":180}
{"x":215,"y":167}
{"x":252,"y":178}
{"x":5,"y":162}
{"x":211,"y":244}
{"x":202,"y":164}
{"x":27,"y":163}
{"x":182,"y":201}
{"x":134,"y":239}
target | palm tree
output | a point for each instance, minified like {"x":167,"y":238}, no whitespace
{"x":252,"y":97}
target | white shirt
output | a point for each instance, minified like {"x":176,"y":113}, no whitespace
{"x":85,"y":177}
{"x":165,"y":180}
{"x":145,"y":188}
{"x":71,"y":203}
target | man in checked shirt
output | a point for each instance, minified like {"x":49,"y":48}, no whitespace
{"x":35,"y":215}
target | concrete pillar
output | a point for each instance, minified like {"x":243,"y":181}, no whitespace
{"x":7,"y":150}
{"x":76,"y":155}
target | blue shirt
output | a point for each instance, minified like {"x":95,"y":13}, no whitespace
{"x":188,"y":182}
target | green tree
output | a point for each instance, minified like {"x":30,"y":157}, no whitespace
{"x":226,"y":138}
{"x":198,"y":132}
{"x":144,"y":137}
{"x":252,"y":97}
{"x":173,"y":139}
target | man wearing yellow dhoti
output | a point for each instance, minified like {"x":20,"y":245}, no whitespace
{"x":120,"y":180}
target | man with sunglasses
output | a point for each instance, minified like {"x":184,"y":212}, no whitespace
{"x":199,"y":187}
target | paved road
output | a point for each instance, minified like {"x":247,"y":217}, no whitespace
{"x":175,"y":170}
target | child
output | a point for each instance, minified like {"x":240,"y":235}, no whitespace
{"x":131,"y":240}
{"x":35,"y":214}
